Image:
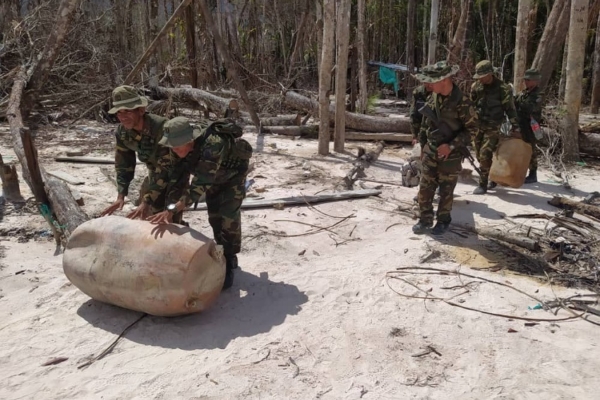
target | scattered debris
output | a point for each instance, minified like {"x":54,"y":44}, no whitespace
{"x":397,"y":332}
{"x":54,"y":361}
{"x":428,"y":350}
{"x":302,"y":252}
{"x":511,"y":330}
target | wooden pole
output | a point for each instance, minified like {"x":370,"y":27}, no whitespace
{"x":521,"y":44}
{"x":325,"y":75}
{"x":341,"y":72}
{"x":190,"y":41}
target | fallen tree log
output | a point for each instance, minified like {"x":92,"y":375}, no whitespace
{"x":306,"y":131}
{"x":387,"y":137}
{"x":589,"y":143}
{"x":58,"y":195}
{"x":363,"y":161}
{"x":301,"y":200}
{"x":216,"y":104}
{"x":506,"y":237}
{"x":581,"y":208}
{"x":281,"y":120}
{"x":358,"y":122}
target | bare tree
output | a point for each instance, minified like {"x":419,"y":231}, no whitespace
{"x":362,"y":61}
{"x":596,"y":73}
{"x":153,"y":62}
{"x":520,"y":64}
{"x":433,"y":28}
{"x":575,"y":65}
{"x":410,"y":44}
{"x":552,"y":39}
{"x":341,"y":72}
{"x":325,"y":74}
{"x":460,"y":35}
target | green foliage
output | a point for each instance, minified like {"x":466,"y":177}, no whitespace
{"x":371,"y":101}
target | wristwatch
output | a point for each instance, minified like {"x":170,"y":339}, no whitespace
{"x":172,"y":208}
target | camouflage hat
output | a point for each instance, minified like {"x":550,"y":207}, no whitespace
{"x":436,"y":72}
{"x":422,"y":70}
{"x":126,"y":98}
{"x":483,"y":68}
{"x":178,"y":131}
{"x":532,"y":75}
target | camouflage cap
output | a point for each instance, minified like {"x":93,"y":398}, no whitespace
{"x":532,"y":75}
{"x":436,"y":72}
{"x":178,"y":132}
{"x":483,"y":68}
{"x":126,"y":98}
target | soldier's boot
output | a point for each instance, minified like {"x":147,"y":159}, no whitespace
{"x":492,"y":185}
{"x":480,"y":190}
{"x":440,"y":228}
{"x":228,"y":282}
{"x":421,"y":227}
{"x":532,"y":177}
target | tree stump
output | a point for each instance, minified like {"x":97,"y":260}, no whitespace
{"x":10,"y":182}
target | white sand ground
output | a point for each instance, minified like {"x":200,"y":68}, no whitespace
{"x":324,"y":324}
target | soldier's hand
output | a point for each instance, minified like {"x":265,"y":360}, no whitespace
{"x":163,"y":217}
{"x":142,"y":212}
{"x":117,"y":205}
{"x":443,"y":151}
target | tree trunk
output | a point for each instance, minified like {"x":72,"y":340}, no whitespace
{"x":458,"y":42}
{"x":190,"y":42}
{"x":520,"y":64}
{"x":596,"y":73}
{"x":581,"y":208}
{"x":362,"y":59}
{"x":153,"y":62}
{"x":359,"y":122}
{"x":341,"y":72}
{"x":423,"y":60}
{"x":322,"y":108}
{"x":231,"y":66}
{"x":575,"y":66}
{"x":410,"y":46}
{"x":433,"y":28}
{"x":150,"y":50}
{"x":552,"y":39}
{"x":41,"y":69}
{"x":563,"y":70}
{"x":298,"y":39}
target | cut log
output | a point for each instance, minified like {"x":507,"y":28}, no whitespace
{"x":388,"y":137}
{"x":362,"y":162}
{"x":86,"y":160}
{"x":518,"y":240}
{"x":581,"y":208}
{"x":10,"y":182}
{"x":302,"y":200}
{"x":359,"y":122}
{"x":306,"y":131}
{"x":216,"y":104}
{"x":66,"y":177}
{"x":589,"y":143}
{"x":281,"y":120}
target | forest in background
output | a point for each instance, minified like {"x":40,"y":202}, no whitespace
{"x":272,"y":41}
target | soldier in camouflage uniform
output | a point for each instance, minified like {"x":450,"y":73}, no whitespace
{"x":529,"y":105}
{"x":139,"y":132}
{"x":441,"y":155}
{"x":492,"y":99}
{"x":218,"y":160}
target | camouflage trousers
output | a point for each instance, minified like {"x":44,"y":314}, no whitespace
{"x":529,"y":137}
{"x":485,"y":144}
{"x":224,"y":201}
{"x":442,"y":173}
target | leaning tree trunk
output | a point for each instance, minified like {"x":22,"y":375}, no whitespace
{"x":563,"y":70}
{"x":596,"y":73}
{"x":362,"y":59}
{"x":341,"y":71}
{"x":521,"y":44}
{"x":552,"y":39}
{"x":433,"y":26}
{"x":460,"y":35}
{"x":325,"y":74}
{"x":575,"y":65}
{"x":231,"y":66}
{"x":410,"y":45}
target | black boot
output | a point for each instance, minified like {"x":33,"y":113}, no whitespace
{"x":228,"y":282}
{"x":480,"y":190}
{"x":492,"y":185}
{"x":440,"y":228}
{"x":421,"y":227}
{"x":532,"y":177}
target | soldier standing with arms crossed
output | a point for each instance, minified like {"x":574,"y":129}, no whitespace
{"x":441,"y":142}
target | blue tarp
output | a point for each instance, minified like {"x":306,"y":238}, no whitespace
{"x":388,"y":76}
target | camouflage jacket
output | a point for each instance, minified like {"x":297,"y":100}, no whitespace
{"x":492,"y":102}
{"x":419,"y":97}
{"x":145,"y":144}
{"x":455,"y":109}
{"x":529,"y":104}
{"x":215,"y":159}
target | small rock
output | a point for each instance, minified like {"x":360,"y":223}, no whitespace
{"x":302,"y":252}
